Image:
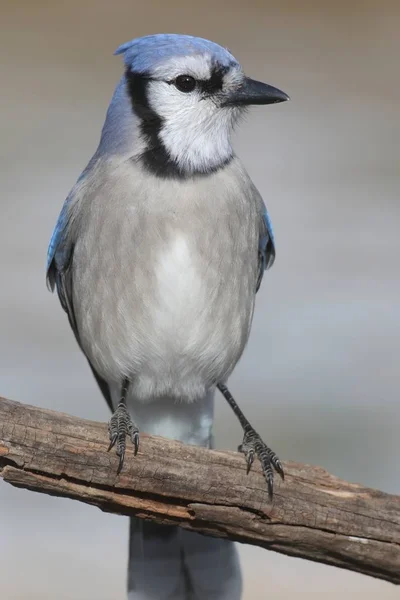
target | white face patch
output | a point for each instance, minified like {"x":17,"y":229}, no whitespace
{"x":196,"y":129}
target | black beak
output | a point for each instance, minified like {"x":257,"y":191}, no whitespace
{"x":255,"y":92}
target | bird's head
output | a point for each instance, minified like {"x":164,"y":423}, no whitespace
{"x":187,"y":94}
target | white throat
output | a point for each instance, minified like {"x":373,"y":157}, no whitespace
{"x":198,"y":145}
{"x":195,"y":133}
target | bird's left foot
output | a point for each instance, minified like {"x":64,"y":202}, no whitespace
{"x":119,"y":427}
{"x":252,"y":446}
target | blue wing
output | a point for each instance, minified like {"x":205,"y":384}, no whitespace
{"x":266,"y":248}
{"x":60,"y":248}
{"x":59,"y":274}
{"x":55,"y":246}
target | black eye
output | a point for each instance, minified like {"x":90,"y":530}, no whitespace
{"x":185,"y":83}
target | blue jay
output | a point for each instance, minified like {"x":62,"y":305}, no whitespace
{"x":157,"y":256}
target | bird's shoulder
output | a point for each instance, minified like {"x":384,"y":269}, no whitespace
{"x":60,"y":242}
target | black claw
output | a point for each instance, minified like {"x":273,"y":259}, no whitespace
{"x":121,"y":462}
{"x":270,"y":484}
{"x":279,"y":468}
{"x":249,"y":460}
{"x":113,"y":439}
{"x":135,"y":441}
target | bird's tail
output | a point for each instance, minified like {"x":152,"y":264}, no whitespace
{"x":167,"y":562}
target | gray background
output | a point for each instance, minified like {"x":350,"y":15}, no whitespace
{"x":320,"y":376}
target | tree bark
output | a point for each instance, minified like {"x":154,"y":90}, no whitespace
{"x":313,"y":515}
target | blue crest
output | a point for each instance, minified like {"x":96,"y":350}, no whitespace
{"x":145,"y":53}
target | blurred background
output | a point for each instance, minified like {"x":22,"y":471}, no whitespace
{"x":320,"y":376}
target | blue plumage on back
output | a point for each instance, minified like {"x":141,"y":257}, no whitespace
{"x":145,"y":53}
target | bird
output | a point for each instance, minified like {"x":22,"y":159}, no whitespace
{"x":157,"y":256}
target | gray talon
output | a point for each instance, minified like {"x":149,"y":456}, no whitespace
{"x":119,"y":426}
{"x":253,"y":445}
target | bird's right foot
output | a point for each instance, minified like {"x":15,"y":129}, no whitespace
{"x":120,"y":426}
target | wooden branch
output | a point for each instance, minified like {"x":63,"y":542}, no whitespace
{"x":313,"y":515}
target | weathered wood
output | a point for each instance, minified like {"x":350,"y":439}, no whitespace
{"x":313,"y":515}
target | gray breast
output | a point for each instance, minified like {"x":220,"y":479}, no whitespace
{"x":164,"y":277}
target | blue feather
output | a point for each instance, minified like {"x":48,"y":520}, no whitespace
{"x":268,"y":224}
{"x":55,"y":245}
{"x":56,"y":236}
{"x":266,"y":245}
{"x":57,"y":251}
{"x":145,"y":53}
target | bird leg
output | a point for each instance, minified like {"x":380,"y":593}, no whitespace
{"x":121,"y":425}
{"x":253,"y":445}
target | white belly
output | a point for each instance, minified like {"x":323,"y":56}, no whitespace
{"x":180,"y":302}
{"x":176,"y":327}
{"x":190,"y":346}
